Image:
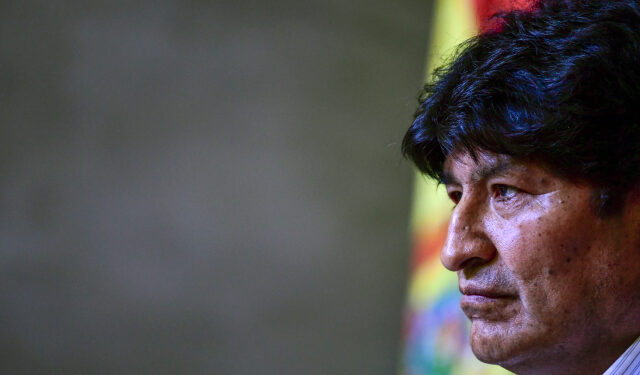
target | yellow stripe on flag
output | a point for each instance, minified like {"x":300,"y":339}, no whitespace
{"x":437,"y":332}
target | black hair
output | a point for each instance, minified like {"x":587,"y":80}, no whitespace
{"x":558,"y":84}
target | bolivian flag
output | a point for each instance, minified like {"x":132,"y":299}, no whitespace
{"x":436,"y":330}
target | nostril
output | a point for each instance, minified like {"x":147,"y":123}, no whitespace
{"x":471,"y":264}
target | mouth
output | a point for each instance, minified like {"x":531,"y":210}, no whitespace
{"x":471,"y":290}
{"x":482,"y":302}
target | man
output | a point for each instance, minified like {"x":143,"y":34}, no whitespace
{"x":534,"y":129}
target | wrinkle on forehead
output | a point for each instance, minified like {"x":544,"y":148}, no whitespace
{"x":486,"y":166}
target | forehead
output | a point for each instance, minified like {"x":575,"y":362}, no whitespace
{"x":464,"y":168}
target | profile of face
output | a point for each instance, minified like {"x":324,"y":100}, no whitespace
{"x":546,"y":282}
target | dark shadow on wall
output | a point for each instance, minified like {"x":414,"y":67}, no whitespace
{"x":204,"y":187}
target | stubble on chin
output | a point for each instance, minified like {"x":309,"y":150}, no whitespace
{"x":504,"y":337}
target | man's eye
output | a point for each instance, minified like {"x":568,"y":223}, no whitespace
{"x":455,"y":196}
{"x":504,"y":191}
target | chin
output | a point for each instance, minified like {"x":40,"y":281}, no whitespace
{"x":494,"y":345}
{"x":487,"y":352}
{"x":490,"y":344}
{"x":501,"y":356}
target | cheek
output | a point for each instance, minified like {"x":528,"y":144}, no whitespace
{"x":526,"y":245}
{"x":540,"y":252}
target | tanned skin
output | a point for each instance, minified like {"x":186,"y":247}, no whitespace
{"x":550,"y":286}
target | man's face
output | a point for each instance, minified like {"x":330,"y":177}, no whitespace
{"x":543,"y":277}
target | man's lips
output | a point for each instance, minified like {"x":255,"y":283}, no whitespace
{"x":472,"y":290}
{"x":485,"y":302}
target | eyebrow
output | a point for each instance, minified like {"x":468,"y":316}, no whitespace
{"x":483,"y":172}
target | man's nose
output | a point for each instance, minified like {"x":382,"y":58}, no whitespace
{"x":467,"y":242}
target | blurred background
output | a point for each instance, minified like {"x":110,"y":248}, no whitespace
{"x":205,"y":187}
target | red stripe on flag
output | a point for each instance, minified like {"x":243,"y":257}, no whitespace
{"x":487,"y":8}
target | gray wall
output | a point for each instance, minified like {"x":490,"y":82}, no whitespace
{"x":193,"y":187}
